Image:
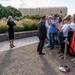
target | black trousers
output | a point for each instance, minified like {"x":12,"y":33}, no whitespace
{"x":70,"y":34}
{"x":63,"y":46}
{"x":40,"y":45}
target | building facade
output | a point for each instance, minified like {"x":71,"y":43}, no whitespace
{"x":44,"y":11}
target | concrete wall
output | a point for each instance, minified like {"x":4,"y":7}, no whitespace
{"x":44,"y":11}
{"x":19,"y":35}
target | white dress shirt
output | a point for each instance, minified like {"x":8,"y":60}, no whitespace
{"x":65,"y":29}
{"x":72,"y":26}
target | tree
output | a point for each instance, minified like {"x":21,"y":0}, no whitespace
{"x":6,"y":11}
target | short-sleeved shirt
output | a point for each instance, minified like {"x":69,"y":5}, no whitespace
{"x":52,"y":29}
{"x":65,"y":29}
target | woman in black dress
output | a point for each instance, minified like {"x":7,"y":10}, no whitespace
{"x":10,"y":25}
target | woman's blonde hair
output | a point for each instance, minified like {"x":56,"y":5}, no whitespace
{"x":9,"y":18}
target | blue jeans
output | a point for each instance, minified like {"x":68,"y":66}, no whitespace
{"x":52,"y":35}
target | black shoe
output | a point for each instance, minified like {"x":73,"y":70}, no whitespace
{"x":41,"y":53}
{"x":51,"y":48}
{"x":37,"y":50}
{"x":11,"y":46}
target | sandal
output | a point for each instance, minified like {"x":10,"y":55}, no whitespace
{"x":11,"y":46}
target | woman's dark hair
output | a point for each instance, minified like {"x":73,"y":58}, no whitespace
{"x":60,"y":19}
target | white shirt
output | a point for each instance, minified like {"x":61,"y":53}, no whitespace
{"x":48,"y":28}
{"x":54,"y":21}
{"x":72,"y":26}
{"x":59,"y":26}
{"x":47,"y":25}
{"x":65,"y":29}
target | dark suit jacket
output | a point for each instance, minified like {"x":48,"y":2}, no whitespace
{"x":42,"y":30}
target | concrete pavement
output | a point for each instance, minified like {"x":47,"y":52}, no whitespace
{"x":24,"y":59}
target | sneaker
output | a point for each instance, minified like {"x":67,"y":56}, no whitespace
{"x":64,"y":69}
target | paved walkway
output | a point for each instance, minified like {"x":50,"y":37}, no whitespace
{"x":24,"y":59}
{"x":4,"y":46}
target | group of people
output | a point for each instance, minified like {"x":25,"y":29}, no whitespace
{"x":55,"y":29}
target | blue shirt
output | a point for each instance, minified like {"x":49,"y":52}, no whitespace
{"x":52,"y":28}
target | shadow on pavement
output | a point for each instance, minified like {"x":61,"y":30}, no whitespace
{"x":47,"y":69}
{"x":5,"y":61}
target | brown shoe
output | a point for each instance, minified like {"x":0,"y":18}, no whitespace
{"x":37,"y":50}
{"x":41,"y":53}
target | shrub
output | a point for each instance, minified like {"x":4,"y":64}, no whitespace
{"x":57,"y":15}
{"x":29,"y":25}
{"x":33,"y":17}
{"x":34,"y":26}
{"x":17,"y":28}
{"x":22,"y":25}
{"x":3,"y":29}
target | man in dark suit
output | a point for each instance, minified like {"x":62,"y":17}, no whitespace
{"x":41,"y":35}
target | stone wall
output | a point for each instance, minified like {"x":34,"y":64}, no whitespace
{"x":19,"y":35}
{"x":43,"y":11}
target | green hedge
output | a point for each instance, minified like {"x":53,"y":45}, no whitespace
{"x":29,"y":26}
{"x":3,"y":29}
{"x":33,"y":17}
{"x":22,"y":25}
{"x":17,"y":28}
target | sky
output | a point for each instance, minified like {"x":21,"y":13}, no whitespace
{"x":70,"y":4}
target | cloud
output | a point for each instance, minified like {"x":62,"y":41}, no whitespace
{"x":5,"y":0}
{"x":14,"y":3}
{"x":40,"y":3}
{"x":29,"y":3}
